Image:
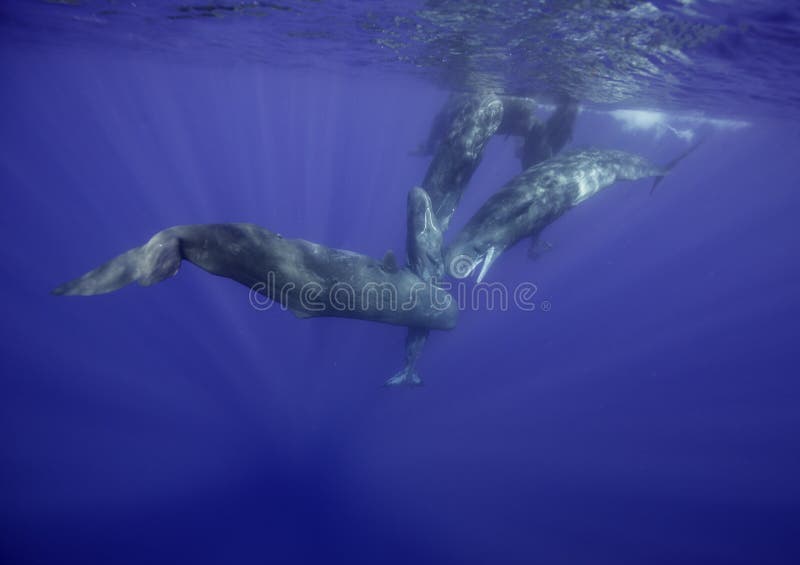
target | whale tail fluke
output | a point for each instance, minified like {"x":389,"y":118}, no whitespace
{"x":111,"y":276}
{"x":405,"y":377}
{"x":153,"y":262}
{"x":669,"y":166}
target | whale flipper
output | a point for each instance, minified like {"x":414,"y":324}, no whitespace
{"x":299,"y":314}
{"x":153,"y":262}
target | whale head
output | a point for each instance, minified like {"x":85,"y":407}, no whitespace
{"x":424,"y":242}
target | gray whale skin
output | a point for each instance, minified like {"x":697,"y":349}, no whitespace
{"x":310,"y":279}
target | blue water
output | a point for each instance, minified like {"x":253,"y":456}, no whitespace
{"x":650,"y":415}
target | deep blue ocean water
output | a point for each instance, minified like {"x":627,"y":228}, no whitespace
{"x":645,"y":412}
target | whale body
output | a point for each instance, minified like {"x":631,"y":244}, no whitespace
{"x":534,"y":199}
{"x":310,"y":279}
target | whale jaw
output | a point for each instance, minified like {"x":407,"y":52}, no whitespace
{"x":488,"y":259}
{"x":463,"y":266}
